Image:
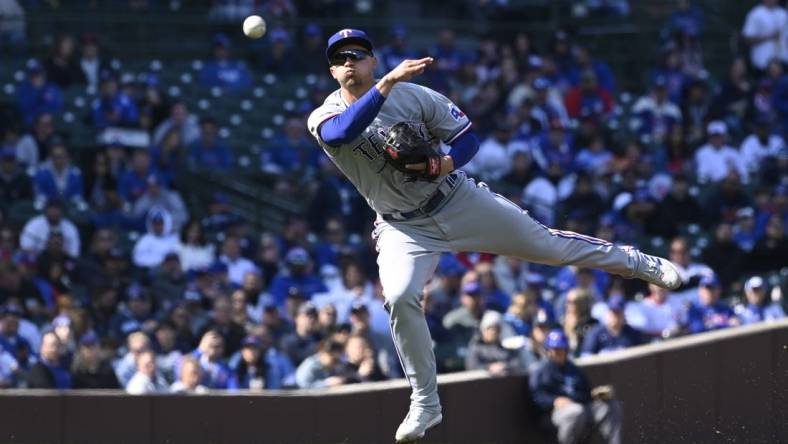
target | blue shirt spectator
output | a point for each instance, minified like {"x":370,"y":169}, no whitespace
{"x":614,"y":333}
{"x":215,"y":373}
{"x":222,"y":72}
{"x":291,"y":150}
{"x":299,"y":279}
{"x":49,"y":372}
{"x":584,"y":62}
{"x":392,"y":55}
{"x":553,"y":378}
{"x":757,"y":308}
{"x":113,"y":107}
{"x":655,"y":115}
{"x":710,"y":314}
{"x":37,"y":96}
{"x":57,"y":178}
{"x":208,"y":152}
{"x":134,"y":182}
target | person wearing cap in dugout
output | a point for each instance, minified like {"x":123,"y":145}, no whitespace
{"x":563,"y":396}
{"x":614,"y":333}
{"x":709,"y":313}
{"x":757,"y":307}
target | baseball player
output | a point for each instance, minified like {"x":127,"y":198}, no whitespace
{"x":427,"y":206}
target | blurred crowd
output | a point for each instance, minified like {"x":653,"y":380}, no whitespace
{"x":115,"y":282}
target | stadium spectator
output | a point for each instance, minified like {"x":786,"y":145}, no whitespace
{"x":710,"y":314}
{"x":9,"y":370}
{"x":36,"y":231}
{"x":194,"y":251}
{"x":291,"y":151}
{"x":90,"y":62}
{"x":770,"y":250}
{"x":396,"y":51}
{"x":577,"y":321}
{"x":13,"y":28}
{"x":134,"y":181}
{"x":223,"y":72}
{"x":58,"y":178}
{"x":322,"y":369}
{"x":486,"y":350}
{"x":759,"y":145}
{"x":49,"y":372}
{"x":153,"y":246}
{"x":168,"y":350}
{"x":655,"y":316}
{"x":360,"y":365}
{"x":33,"y":147}
{"x":181,"y":122}
{"x":312,"y":50}
{"x":380,"y":341}
{"x":137,"y":313}
{"x":763,"y":28}
{"x":744,"y":231}
{"x":222,"y":323}
{"x":716,"y":159}
{"x":463,"y":322}
{"x":157,"y":195}
{"x":588,"y":98}
{"x":237,"y":265}
{"x":755,"y":307}
{"x":298,"y":277}
{"x":10,"y":338}
{"x":614,"y":333}
{"x":147,"y":379}
{"x":191,"y":375}
{"x":305,"y":338}
{"x":15,"y":185}
{"x":655,"y":114}
{"x":278,"y":57}
{"x":215,"y":373}
{"x":493,"y":161}
{"x":91,"y":370}
{"x":113,"y":107}
{"x":563,"y":395}
{"x":37,"y":95}
{"x":583,"y":62}
{"x":61,"y":65}
{"x":209,"y":152}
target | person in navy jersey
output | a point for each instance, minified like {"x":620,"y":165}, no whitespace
{"x":113,"y":107}
{"x":224,"y":72}
{"x":757,"y":308}
{"x":561,"y":392}
{"x":614,"y":333}
{"x":37,"y":95}
{"x":298,"y":276}
{"x":49,"y":372}
{"x":57,"y":178}
{"x":208,"y":152}
{"x":710,"y":314}
{"x":134,"y":182}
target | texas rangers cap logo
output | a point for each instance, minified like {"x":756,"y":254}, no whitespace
{"x":345,"y":33}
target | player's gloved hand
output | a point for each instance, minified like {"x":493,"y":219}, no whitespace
{"x":409,"y":150}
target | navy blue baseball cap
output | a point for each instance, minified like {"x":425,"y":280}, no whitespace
{"x":346,"y":36}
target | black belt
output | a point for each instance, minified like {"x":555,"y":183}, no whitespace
{"x":427,"y":208}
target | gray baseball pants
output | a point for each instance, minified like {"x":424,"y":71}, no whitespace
{"x":471,"y":218}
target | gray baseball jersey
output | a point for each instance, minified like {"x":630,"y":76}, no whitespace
{"x":386,"y":189}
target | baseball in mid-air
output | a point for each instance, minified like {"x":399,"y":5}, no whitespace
{"x":254,"y":27}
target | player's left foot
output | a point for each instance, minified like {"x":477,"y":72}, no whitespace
{"x":416,"y":424}
{"x":657,"y":270}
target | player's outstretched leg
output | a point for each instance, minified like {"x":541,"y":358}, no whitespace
{"x":404,"y":270}
{"x":508,"y":230}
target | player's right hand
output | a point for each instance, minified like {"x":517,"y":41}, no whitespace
{"x":408,"y":69}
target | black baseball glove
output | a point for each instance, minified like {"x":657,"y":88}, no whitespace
{"x":406,"y":144}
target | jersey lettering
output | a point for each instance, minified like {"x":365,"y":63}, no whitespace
{"x":360,"y":148}
{"x":456,"y":113}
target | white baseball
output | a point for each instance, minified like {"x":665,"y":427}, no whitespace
{"x":254,"y":27}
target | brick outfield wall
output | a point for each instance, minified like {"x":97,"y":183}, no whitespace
{"x":727,"y":386}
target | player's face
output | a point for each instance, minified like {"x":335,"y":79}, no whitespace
{"x":354,"y":73}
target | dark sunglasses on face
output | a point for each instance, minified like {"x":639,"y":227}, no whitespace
{"x":352,"y":54}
